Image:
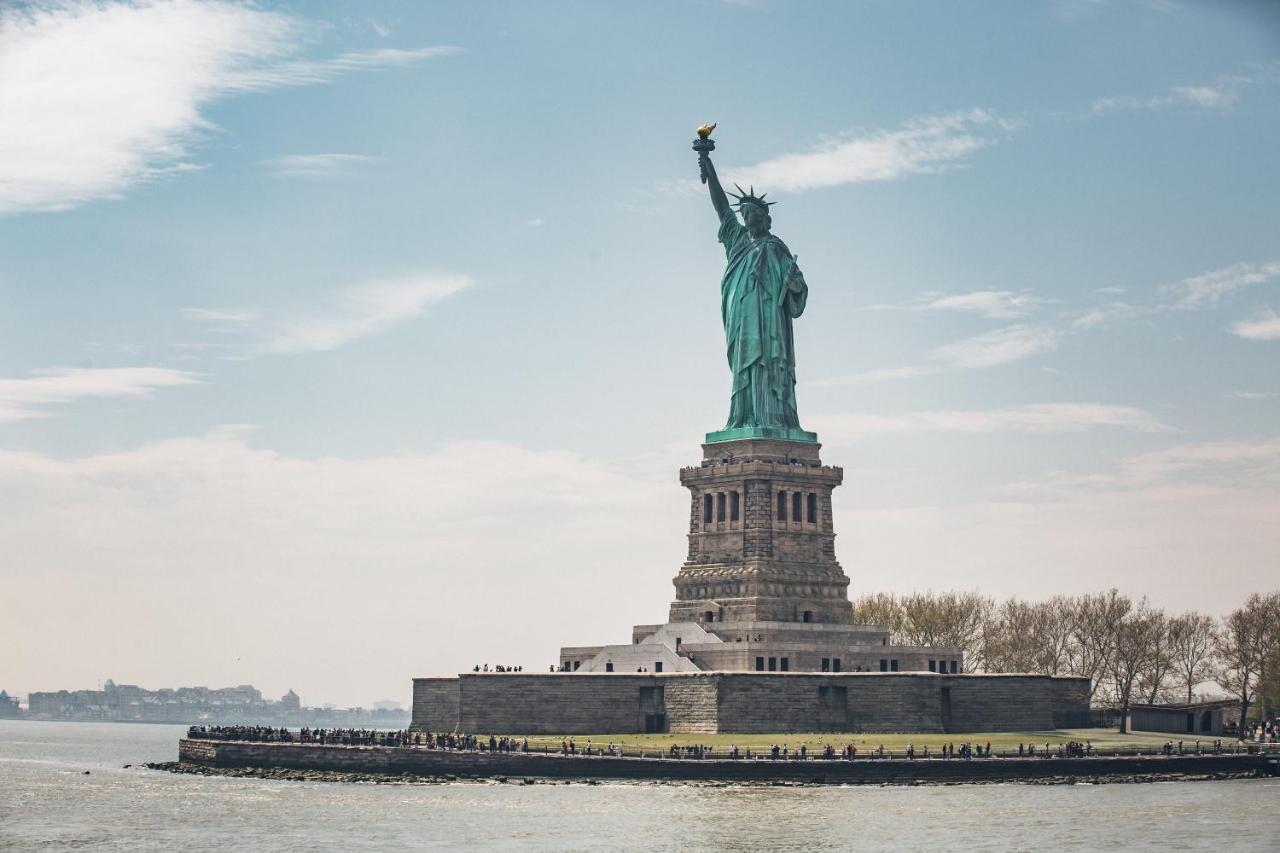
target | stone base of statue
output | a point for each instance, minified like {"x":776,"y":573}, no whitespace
{"x":761,"y":538}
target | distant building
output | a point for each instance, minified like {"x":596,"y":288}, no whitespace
{"x":243,"y":704}
{"x":131,"y":703}
{"x":387,"y":705}
{"x":9,"y":706}
{"x":1196,"y":718}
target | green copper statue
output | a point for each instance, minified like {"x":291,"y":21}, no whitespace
{"x":761,"y":292}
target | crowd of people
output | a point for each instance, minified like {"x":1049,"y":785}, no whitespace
{"x":484,"y":667}
{"x":360,"y":737}
{"x":1267,"y":731}
{"x":270,"y":734}
{"x":569,"y":746}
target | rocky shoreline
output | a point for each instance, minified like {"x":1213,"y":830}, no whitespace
{"x":298,"y":775}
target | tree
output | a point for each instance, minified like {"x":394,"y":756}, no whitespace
{"x":949,"y":619}
{"x":1028,"y":636}
{"x":1154,"y":678}
{"x":1095,"y":622}
{"x":1132,"y":654}
{"x":1269,"y":659}
{"x":1012,"y":637}
{"x":1269,"y":682}
{"x":1191,"y":641}
{"x":881,"y":609}
{"x":1242,"y":647}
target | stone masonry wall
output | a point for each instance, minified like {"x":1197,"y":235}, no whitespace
{"x":893,"y":702}
{"x":795,"y":702}
{"x":435,"y":704}
{"x":599,"y":703}
{"x":692,"y":703}
{"x":1070,"y":700}
{"x":547,"y":703}
{"x":999,"y":703}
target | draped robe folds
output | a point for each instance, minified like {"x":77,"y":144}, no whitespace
{"x":761,"y":293}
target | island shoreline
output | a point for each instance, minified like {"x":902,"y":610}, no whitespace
{"x":328,"y":762}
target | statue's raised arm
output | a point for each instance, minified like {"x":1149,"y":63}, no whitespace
{"x":704,"y":145}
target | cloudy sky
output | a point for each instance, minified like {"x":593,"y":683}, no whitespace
{"x":342,"y":343}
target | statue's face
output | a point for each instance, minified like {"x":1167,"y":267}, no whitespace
{"x":756,"y":220}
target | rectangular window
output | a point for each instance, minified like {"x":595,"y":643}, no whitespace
{"x":884,"y":665}
{"x":953,"y":667}
{"x":720,"y":506}
{"x":773,"y":664}
{"x":835,"y":664}
{"x":576,"y":664}
{"x":826,"y":664}
{"x":706,"y":509}
{"x":933,"y":666}
{"x":759,"y":664}
{"x":893,"y":666}
{"x":795,"y":507}
{"x":608,"y":667}
{"x":813,"y":508}
{"x":786,"y":664}
{"x":733,"y":506}
{"x":657,"y":666}
{"x":782,"y":506}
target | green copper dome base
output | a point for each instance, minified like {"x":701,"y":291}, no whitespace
{"x":774,"y":433}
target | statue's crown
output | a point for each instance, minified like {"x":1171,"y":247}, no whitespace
{"x":750,"y":197}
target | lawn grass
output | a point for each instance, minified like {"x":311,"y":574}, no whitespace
{"x":1102,"y":739}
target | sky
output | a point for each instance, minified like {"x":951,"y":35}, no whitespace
{"x":347,"y":343}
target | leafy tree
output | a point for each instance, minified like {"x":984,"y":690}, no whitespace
{"x":1133,"y":653}
{"x":1243,"y":645}
{"x":1191,"y":641}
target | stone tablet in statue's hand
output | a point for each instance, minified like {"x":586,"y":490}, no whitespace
{"x":795,"y":278}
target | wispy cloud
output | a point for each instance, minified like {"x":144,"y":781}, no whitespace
{"x":311,"y":72}
{"x":1249,"y":395}
{"x":1104,"y":315}
{"x":356,"y":312}
{"x":1204,"y":97}
{"x":222,"y":316}
{"x":97,"y":97}
{"x":992,"y":304}
{"x":363,"y":311}
{"x":1265,"y":328}
{"x":1208,"y":289}
{"x":1002,"y":346}
{"x":1023,"y":340}
{"x":313,"y":165}
{"x":1034,"y":418}
{"x":21,"y":399}
{"x":1075,"y":10}
{"x":923,"y":146}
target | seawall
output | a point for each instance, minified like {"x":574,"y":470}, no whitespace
{"x":399,"y":761}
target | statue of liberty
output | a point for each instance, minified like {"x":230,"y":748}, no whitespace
{"x":761,"y":292}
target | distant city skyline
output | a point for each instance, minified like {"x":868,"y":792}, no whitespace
{"x":326,"y":354}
